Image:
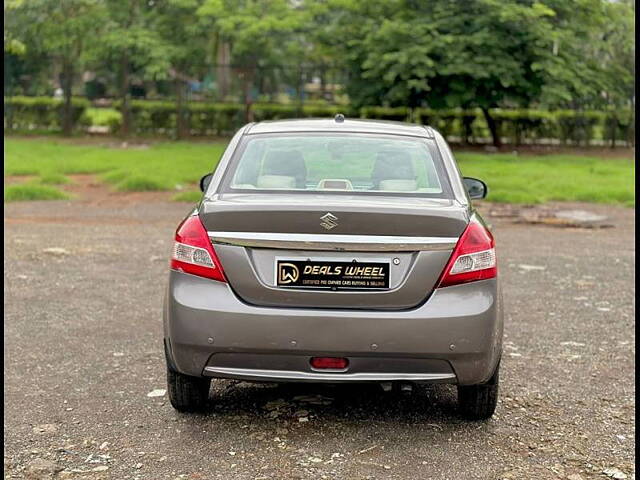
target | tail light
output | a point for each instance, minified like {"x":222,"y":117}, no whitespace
{"x":474,"y":257}
{"x":193,"y":252}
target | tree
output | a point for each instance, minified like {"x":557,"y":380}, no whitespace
{"x":188,"y":39}
{"x":61,"y":30}
{"x":131,"y":41}
{"x":492,"y":55}
{"x":481,"y":53}
{"x":260,"y":34}
{"x":593,"y":65}
{"x":17,"y":63}
{"x":618,"y":53}
{"x":342,"y":30}
{"x":485,"y":54}
{"x":452,"y":53}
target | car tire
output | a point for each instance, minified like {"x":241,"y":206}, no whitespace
{"x":478,"y":402}
{"x":187,"y":393}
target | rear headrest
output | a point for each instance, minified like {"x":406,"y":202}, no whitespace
{"x":392,"y":165}
{"x":276,"y":181}
{"x":287,"y":163}
{"x":397,"y":185}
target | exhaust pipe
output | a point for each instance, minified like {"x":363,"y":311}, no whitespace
{"x":406,"y":388}
{"x":386,"y":386}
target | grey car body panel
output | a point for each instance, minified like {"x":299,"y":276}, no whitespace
{"x":467,"y":317}
{"x":349,"y":126}
{"x":250,"y":329}
{"x":300,"y":363}
{"x":357,"y":214}
{"x":368,"y":216}
{"x":333,"y":243}
{"x":323,"y":377}
{"x":251,"y":274}
{"x":294,"y":367}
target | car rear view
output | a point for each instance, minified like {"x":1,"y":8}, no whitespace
{"x":335,"y":251}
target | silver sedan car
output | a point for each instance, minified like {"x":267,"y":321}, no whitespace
{"x":335,"y":250}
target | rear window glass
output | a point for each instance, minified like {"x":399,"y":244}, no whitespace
{"x":338,"y":163}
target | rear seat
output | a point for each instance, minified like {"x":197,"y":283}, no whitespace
{"x":393,"y":171}
{"x":283,"y":169}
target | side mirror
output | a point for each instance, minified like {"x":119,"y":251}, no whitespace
{"x":476,"y":188}
{"x":205,"y":181}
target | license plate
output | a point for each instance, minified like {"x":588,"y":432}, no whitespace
{"x":332,"y":275}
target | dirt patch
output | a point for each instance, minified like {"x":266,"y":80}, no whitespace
{"x":18,"y":179}
{"x":503,"y":213}
{"x":90,"y":189}
{"x":557,"y":214}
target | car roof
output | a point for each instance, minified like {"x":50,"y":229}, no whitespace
{"x":333,"y":125}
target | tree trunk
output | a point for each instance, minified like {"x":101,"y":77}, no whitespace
{"x":125,"y":96}
{"x":300,"y":92}
{"x":67,"y":108}
{"x":493,"y":127}
{"x":613,"y":125}
{"x":630,"y":140}
{"x":223,"y":55}
{"x":181,"y":121}
{"x":323,"y":83}
{"x":247,"y":82}
{"x":466,"y":129}
{"x":8,"y":90}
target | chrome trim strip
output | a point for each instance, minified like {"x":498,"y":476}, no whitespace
{"x":352,"y":243}
{"x":251,"y":373}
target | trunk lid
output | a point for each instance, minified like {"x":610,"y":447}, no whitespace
{"x":410,"y":238}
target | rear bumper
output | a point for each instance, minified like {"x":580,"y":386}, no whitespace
{"x":262,"y":374}
{"x":454,"y":337}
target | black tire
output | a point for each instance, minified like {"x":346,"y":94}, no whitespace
{"x":186,"y":393}
{"x":478,"y":402}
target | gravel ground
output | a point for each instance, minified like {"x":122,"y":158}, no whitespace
{"x":82,"y":351}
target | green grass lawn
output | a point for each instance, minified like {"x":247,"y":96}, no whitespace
{"x":541,"y":178}
{"x":162,"y":166}
{"x":176,"y":165}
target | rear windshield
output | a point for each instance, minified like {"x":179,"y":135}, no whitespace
{"x":347,"y":163}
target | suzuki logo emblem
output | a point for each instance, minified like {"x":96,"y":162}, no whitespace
{"x":329,"y":221}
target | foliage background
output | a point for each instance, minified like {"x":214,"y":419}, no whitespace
{"x":481,"y":55}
